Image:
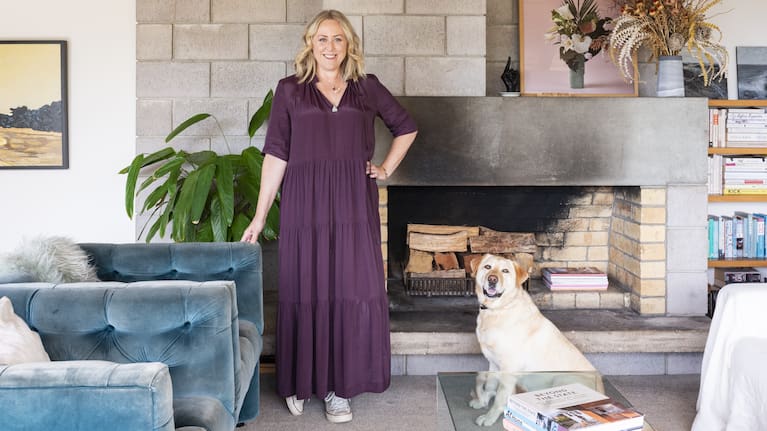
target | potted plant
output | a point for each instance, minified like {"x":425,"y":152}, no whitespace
{"x":201,"y":196}
{"x":665,"y":28}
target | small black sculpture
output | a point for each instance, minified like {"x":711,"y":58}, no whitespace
{"x":510,"y":77}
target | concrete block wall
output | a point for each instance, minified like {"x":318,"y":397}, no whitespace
{"x":224,"y":55}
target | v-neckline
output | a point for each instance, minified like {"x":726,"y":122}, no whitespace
{"x":333,"y":108}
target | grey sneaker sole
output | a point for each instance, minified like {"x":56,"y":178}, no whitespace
{"x":339,"y":419}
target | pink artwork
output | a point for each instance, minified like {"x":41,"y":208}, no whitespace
{"x":543,"y":70}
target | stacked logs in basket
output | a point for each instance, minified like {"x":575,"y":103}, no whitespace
{"x":438,"y":251}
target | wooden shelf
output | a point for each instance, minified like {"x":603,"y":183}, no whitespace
{"x":732,"y":263}
{"x":737,"y":198}
{"x":736,"y":151}
{"x":722,"y":103}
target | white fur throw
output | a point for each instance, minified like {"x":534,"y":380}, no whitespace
{"x":19,"y":343}
{"x":48,"y":259}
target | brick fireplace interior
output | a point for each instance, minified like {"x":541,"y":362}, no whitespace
{"x":620,"y":230}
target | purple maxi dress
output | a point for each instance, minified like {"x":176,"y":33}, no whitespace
{"x":333,"y":314}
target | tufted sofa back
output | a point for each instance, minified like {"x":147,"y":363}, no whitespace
{"x":239,"y":262}
{"x":189,"y":326}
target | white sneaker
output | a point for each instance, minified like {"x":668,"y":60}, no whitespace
{"x":337,"y":410}
{"x":295,"y":405}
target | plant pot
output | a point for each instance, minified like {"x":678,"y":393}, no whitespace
{"x":576,"y":75}
{"x":670,"y":77}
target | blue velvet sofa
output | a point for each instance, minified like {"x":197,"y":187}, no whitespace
{"x":193,"y":311}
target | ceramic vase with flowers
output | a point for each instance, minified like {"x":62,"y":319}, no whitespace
{"x":666,"y":28}
{"x":580,"y":33}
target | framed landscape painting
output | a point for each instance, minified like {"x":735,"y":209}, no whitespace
{"x":33,"y":105}
{"x":752,"y":72}
{"x":694,"y":85}
{"x":544,"y":73}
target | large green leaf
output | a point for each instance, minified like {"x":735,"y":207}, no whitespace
{"x":202,"y":158}
{"x":202,"y":192}
{"x":183,"y":126}
{"x":225,"y":190}
{"x":130,"y":184}
{"x":258,"y":119}
{"x":254,"y":161}
{"x":152,"y":158}
{"x":172,"y":187}
{"x":154,"y":198}
{"x":240,"y":223}
{"x":217,"y":220}
{"x":183,"y":208}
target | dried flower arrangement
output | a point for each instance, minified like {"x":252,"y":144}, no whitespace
{"x":666,"y":27}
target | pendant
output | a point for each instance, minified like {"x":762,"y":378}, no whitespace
{"x":335,"y":109}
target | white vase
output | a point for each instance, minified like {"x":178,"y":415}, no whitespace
{"x":670,"y":76}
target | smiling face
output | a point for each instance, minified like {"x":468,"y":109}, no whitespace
{"x":497,"y":278}
{"x":329,"y":45}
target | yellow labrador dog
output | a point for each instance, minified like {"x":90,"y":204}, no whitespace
{"x":514,"y":336}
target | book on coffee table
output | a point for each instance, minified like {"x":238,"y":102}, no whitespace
{"x":569,"y":408}
{"x":584,"y":278}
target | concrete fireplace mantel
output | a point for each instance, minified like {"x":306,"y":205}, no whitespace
{"x":545,"y":141}
{"x":651,"y":149}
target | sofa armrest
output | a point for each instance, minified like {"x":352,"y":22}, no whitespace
{"x":86,"y":395}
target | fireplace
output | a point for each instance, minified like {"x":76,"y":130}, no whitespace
{"x":593,"y":194}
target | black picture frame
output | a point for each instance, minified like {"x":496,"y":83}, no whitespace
{"x":34,"y":130}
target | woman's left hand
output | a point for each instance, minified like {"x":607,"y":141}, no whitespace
{"x":375,"y":171}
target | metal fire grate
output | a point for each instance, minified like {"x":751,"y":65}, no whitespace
{"x":439,"y":286}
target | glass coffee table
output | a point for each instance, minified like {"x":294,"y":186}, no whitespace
{"x":454,"y":393}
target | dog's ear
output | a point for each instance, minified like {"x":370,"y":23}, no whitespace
{"x":475,"y":264}
{"x":522,"y":273}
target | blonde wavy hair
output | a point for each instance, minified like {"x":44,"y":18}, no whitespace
{"x":353,"y":66}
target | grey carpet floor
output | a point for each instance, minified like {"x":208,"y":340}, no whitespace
{"x":411,"y":404}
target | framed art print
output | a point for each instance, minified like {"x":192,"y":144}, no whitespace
{"x":33,"y":105}
{"x":583,"y":69}
{"x":752,"y":72}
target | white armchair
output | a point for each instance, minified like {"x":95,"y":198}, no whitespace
{"x":733,"y":379}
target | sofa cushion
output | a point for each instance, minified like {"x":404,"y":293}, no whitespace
{"x":19,"y":343}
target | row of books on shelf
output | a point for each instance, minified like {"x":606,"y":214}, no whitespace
{"x":737,"y":127}
{"x":568,"y":407}
{"x":583,"y":278}
{"x":733,"y":175}
{"x":741,"y":235}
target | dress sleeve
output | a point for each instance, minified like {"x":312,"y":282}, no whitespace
{"x":391,"y":112}
{"x":277,"y":142}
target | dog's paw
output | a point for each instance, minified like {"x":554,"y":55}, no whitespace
{"x":477,"y":403}
{"x":486,"y":420}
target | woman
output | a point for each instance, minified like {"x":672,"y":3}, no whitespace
{"x":332,"y":318}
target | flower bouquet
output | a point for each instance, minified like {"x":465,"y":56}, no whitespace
{"x":580,"y":34}
{"x":666,"y":27}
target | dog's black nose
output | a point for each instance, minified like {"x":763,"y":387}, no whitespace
{"x":492,"y":279}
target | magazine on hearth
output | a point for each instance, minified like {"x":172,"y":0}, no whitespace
{"x":570,"y":407}
{"x":585,"y":278}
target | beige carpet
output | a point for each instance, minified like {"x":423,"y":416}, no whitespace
{"x":411,"y":403}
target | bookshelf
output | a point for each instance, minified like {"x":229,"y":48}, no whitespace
{"x":746,"y":198}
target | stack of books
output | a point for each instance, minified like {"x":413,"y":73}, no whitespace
{"x":588,"y":278}
{"x":745,"y":175}
{"x":566,"y":408}
{"x":741,"y":235}
{"x":746,"y":127}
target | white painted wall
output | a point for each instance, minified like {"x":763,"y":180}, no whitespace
{"x":84,"y":202}
{"x":742,"y":24}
